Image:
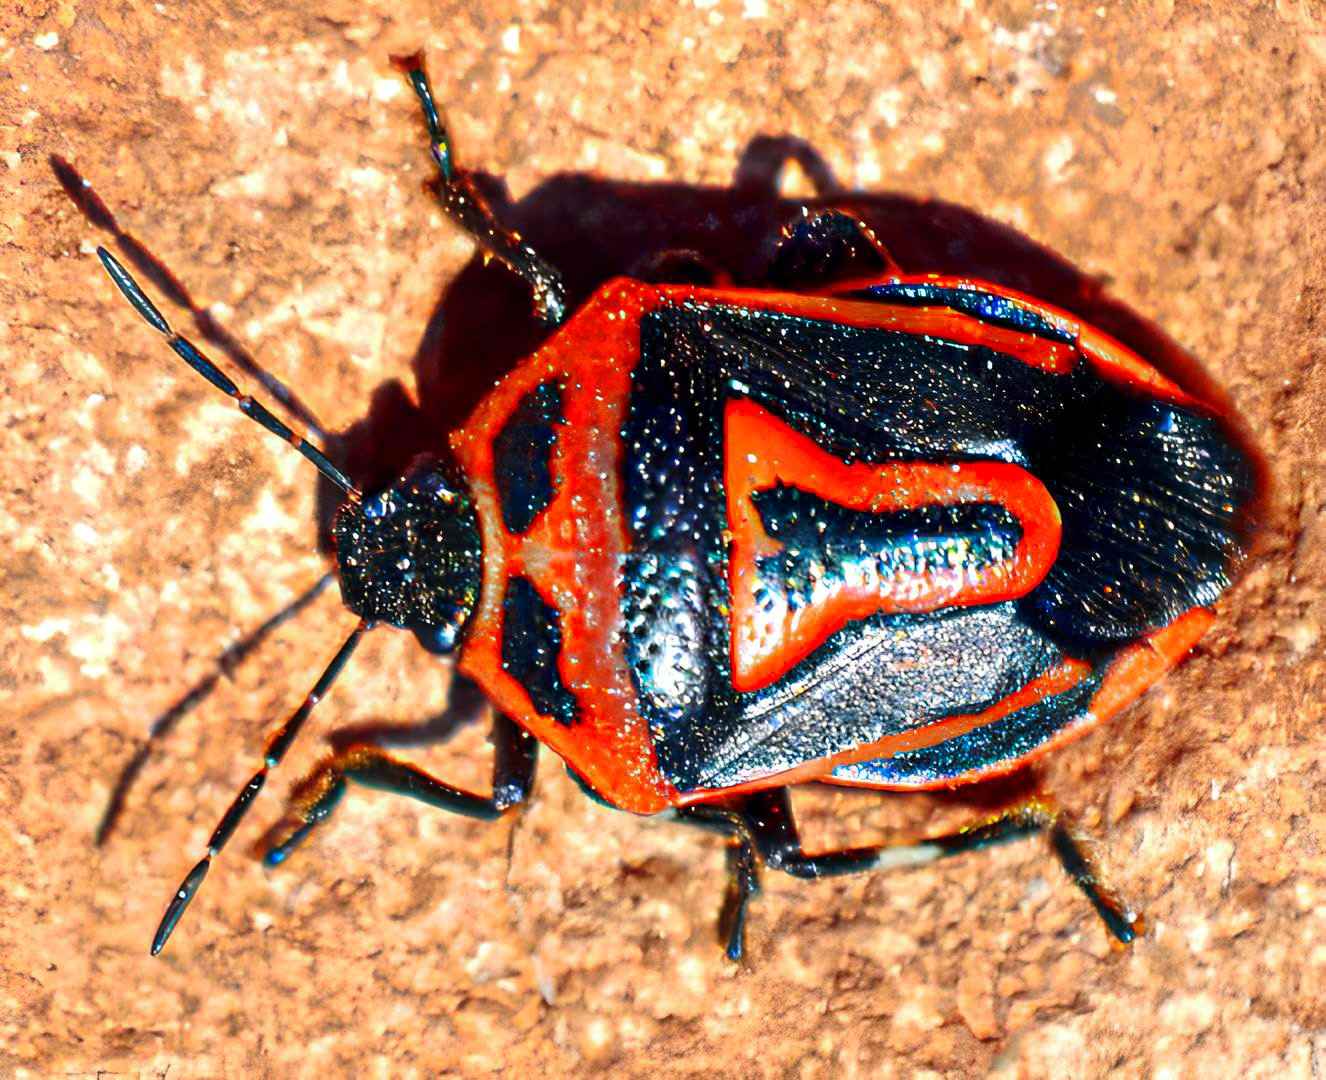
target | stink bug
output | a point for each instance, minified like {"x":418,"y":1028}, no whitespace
{"x":875,"y":528}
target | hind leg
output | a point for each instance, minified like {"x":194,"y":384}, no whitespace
{"x":765,"y":821}
{"x":743,"y":867}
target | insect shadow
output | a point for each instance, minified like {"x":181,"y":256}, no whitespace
{"x":592,"y":229}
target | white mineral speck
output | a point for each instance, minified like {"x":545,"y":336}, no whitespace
{"x":85,"y":534}
{"x":1057,"y":156}
{"x":386,"y":89}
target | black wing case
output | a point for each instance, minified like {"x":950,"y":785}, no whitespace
{"x":1150,"y":495}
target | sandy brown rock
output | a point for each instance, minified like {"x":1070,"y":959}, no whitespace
{"x":270,"y":157}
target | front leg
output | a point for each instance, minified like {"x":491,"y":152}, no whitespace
{"x":515,"y":754}
{"x":464,"y":205}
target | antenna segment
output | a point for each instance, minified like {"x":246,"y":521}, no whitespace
{"x":193,"y":356}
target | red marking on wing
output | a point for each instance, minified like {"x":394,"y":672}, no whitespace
{"x":1139,"y":666}
{"x":1130,"y":674}
{"x":1109,"y":357}
{"x":762,"y":452}
{"x":941,"y":323}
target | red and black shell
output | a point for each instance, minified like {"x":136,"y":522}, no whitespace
{"x":906,"y":533}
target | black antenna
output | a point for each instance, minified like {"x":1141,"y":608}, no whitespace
{"x":191,"y":355}
{"x":276,"y":750}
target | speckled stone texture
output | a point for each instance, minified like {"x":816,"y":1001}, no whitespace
{"x":269,"y":156}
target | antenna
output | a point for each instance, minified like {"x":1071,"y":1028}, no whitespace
{"x":193,"y":356}
{"x":277,"y":746}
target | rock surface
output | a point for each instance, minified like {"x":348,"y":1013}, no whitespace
{"x":269,"y":156}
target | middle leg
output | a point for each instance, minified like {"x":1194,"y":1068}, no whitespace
{"x":744,"y":880}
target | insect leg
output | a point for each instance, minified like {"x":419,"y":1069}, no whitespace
{"x":463,"y":203}
{"x":767,"y":815}
{"x":830,"y":245}
{"x":515,"y":757}
{"x":744,"y":881}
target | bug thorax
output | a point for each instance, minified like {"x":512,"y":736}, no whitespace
{"x":410,"y":555}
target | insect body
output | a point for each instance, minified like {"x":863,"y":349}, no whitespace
{"x":898,"y":532}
